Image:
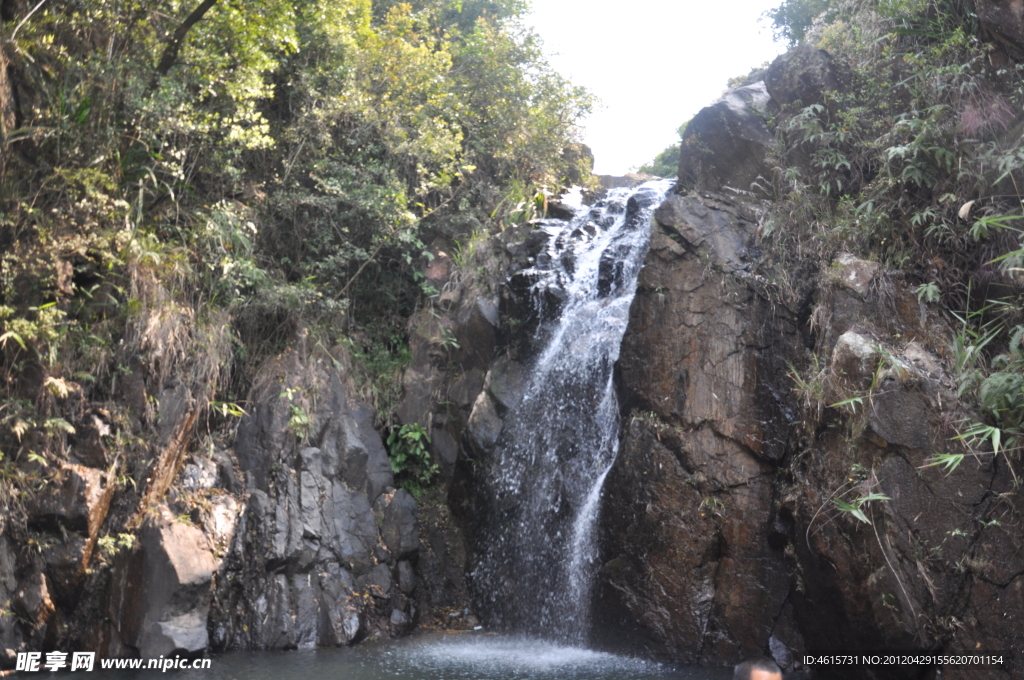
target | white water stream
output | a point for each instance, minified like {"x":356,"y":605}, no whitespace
{"x":557,"y":446}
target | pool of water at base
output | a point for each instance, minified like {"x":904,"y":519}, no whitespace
{"x":436,"y":656}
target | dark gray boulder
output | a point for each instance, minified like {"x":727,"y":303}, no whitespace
{"x":801,"y":76}
{"x":725,"y":144}
{"x":309,"y":544}
{"x":399,"y":530}
{"x":716,"y":228}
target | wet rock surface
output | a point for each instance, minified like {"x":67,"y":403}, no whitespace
{"x":722,"y":534}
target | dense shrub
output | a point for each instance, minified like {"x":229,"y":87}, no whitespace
{"x":265,"y":169}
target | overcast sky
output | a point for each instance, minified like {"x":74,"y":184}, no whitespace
{"x":653,"y":63}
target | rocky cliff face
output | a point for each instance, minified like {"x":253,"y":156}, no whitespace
{"x":324,"y":546}
{"x":721,"y":529}
{"x":773,"y":492}
{"x":693,"y":555}
{"x":293,"y":537}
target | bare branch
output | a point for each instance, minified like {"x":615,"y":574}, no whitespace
{"x":22,"y":22}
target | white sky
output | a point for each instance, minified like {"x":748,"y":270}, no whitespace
{"x":653,"y":64}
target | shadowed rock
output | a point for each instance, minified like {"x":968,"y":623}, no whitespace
{"x":725,"y":144}
{"x":801,"y":77}
{"x":164,"y":596}
{"x":311,"y":562}
{"x":1004,"y":21}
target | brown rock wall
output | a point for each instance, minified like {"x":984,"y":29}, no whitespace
{"x":688,"y":515}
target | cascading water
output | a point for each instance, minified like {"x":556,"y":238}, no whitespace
{"x":544,"y":477}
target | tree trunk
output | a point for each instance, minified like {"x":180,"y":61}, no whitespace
{"x":170,"y":55}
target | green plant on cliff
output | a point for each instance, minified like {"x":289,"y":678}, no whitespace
{"x":110,"y":545}
{"x":917,"y":163}
{"x":299,"y":420}
{"x":409,"y":455}
{"x":855,"y":506}
{"x":999,"y":389}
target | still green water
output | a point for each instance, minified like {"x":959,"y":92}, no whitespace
{"x":434,"y":657}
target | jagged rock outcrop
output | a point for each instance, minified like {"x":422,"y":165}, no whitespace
{"x":801,"y":77}
{"x":452,"y":353}
{"x":61,"y":540}
{"x":720,"y":229}
{"x":161,"y":600}
{"x":932,"y":570}
{"x":688,"y":513}
{"x":296,"y":537}
{"x":324,"y":535}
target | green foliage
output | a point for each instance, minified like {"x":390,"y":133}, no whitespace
{"x":791,"y":19}
{"x":666,"y":163}
{"x":949,"y":461}
{"x":852,"y":403}
{"x":299,"y":420}
{"x":110,"y":545}
{"x":928,"y":292}
{"x":280,"y":174}
{"x":998,"y":388}
{"x":225,"y":409}
{"x":711,"y":505}
{"x":409,"y":454}
{"x":917,"y":162}
{"x":855,"y":507}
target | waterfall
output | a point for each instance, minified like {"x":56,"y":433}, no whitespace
{"x":538,"y":556}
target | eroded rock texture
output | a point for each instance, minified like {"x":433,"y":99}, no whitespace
{"x":688,"y":516}
{"x":324,"y":536}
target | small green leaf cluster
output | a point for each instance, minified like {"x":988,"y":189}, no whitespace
{"x":110,"y":545}
{"x":792,"y":18}
{"x":300,"y":422}
{"x":855,"y":506}
{"x":409,"y":454}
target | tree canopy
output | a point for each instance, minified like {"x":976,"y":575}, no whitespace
{"x":280,"y":162}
